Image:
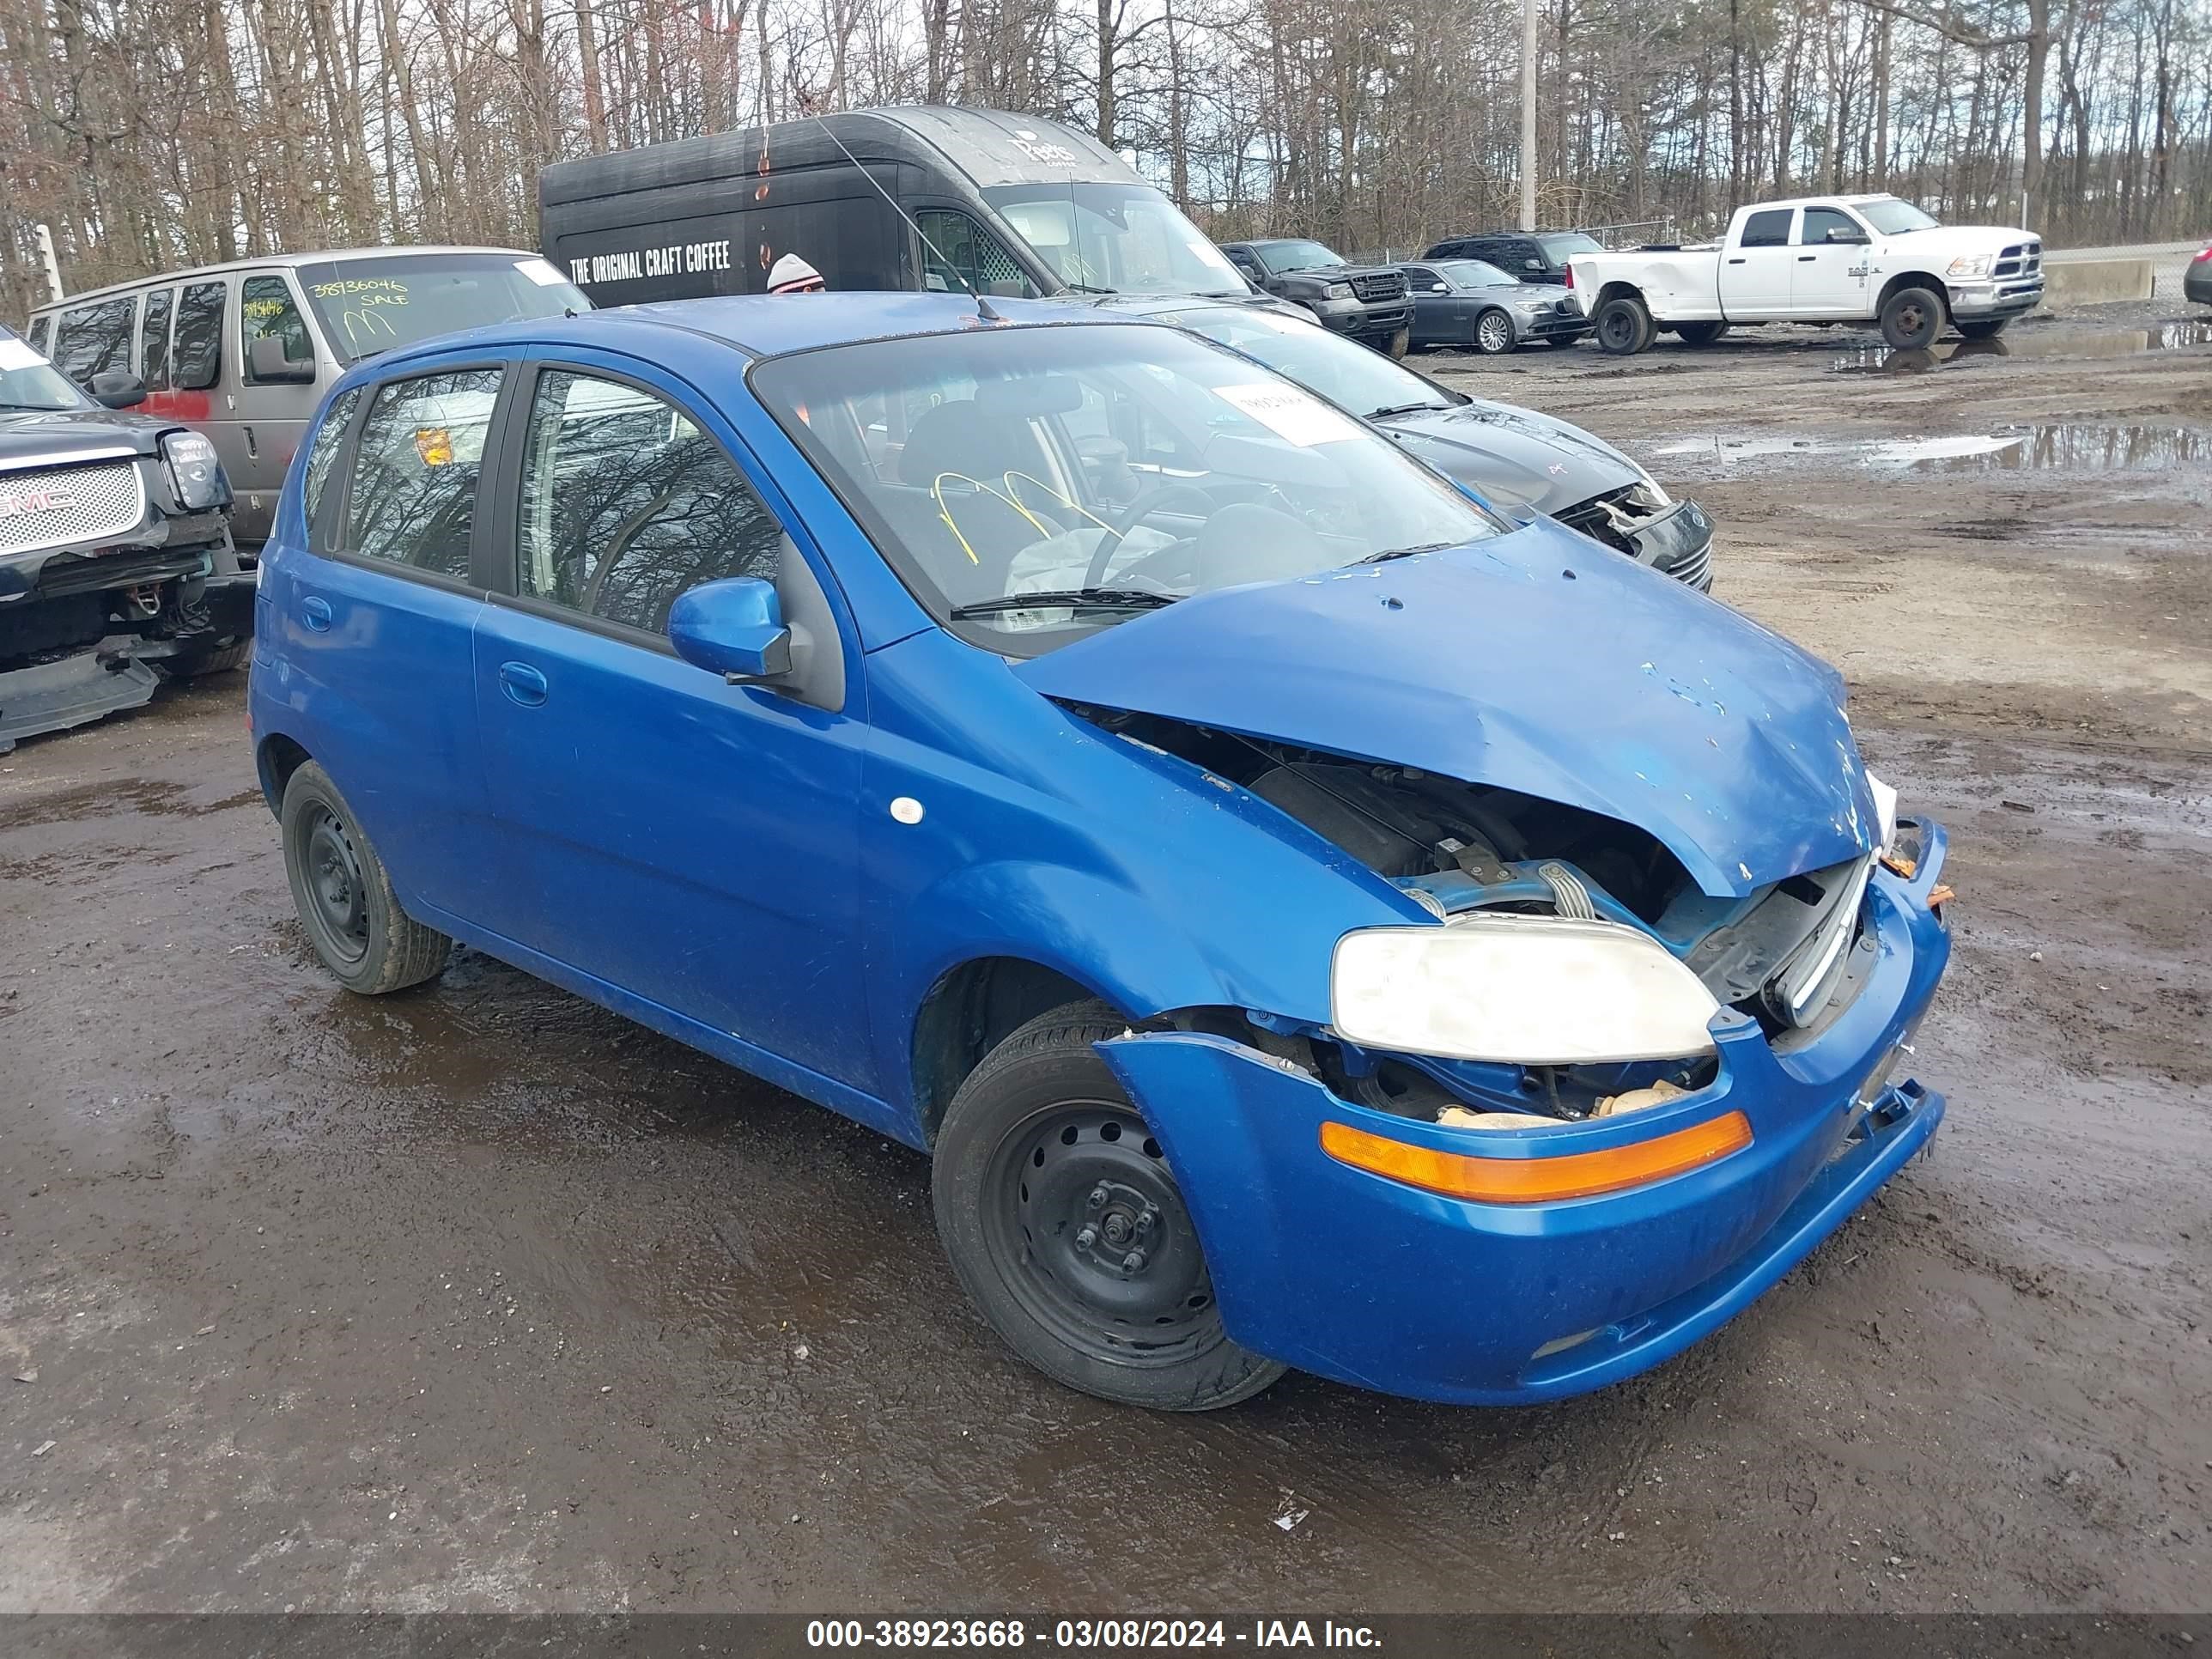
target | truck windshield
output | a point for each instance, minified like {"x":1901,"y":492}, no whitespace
{"x":1115,"y":239}
{"x":1893,"y":218}
{"x":1279,"y":257}
{"x":29,"y":381}
{"x":1032,"y":486}
{"x":372,"y":305}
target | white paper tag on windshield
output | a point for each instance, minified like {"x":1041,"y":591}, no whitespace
{"x":1211,"y":255}
{"x":18,"y":354}
{"x":1291,"y":414}
{"x":540,"y":273}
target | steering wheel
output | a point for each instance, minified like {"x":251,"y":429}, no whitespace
{"x":1149,"y":500}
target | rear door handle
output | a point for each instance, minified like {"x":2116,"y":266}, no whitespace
{"x":316,"y":613}
{"x":522,"y":684}
{"x":252,"y":449}
{"x":1735,"y":262}
{"x":1807,"y":259}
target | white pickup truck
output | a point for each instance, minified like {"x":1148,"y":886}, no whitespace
{"x":1817,"y":259}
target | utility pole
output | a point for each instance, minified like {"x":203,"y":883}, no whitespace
{"x":1527,"y":114}
{"x":53,"y":266}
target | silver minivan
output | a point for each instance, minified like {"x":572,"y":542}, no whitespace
{"x":245,"y":351}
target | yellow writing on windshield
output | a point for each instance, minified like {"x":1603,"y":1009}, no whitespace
{"x":363,"y":290}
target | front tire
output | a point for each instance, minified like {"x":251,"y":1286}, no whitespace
{"x":1623,"y":325}
{"x":1986,"y":328}
{"x":1401,"y":344}
{"x":1492,"y":335}
{"x":345,"y":898}
{"x":1912,"y":317}
{"x":1066,"y":1226}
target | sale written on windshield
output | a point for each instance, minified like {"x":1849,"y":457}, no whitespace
{"x":372,"y":305}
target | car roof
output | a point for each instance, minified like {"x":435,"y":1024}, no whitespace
{"x":1826,"y":200}
{"x":268,"y":261}
{"x":764,"y":325}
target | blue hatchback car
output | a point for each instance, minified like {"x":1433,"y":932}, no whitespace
{"x":1308,"y":921}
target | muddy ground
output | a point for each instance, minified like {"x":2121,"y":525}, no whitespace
{"x":478,"y":1296}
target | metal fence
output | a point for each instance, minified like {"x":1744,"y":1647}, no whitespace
{"x":1633,"y":233}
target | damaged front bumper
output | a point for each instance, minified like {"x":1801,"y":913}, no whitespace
{"x":1388,"y":1286}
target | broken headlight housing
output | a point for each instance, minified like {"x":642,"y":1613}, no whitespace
{"x":196,"y":475}
{"x":1528,"y":990}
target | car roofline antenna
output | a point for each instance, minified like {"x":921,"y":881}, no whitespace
{"x":983,"y":306}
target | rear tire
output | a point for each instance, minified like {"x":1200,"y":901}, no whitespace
{"x":1031,"y":1140}
{"x":1623,"y":325}
{"x":1492,"y":334}
{"x":1987,"y":329}
{"x":345,"y":898}
{"x":1700,"y":334}
{"x":192,"y":665}
{"x":1912,"y":317}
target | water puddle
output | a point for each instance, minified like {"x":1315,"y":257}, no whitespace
{"x":1876,"y":358}
{"x":2058,"y":446}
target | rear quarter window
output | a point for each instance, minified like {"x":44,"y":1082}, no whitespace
{"x":42,"y":329}
{"x":94,"y":339}
{"x":416,"y":469}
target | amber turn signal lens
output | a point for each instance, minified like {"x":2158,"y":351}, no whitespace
{"x":1539,"y":1180}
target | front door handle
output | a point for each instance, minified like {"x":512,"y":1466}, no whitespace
{"x":522,"y":684}
{"x":316,"y":613}
{"x":1807,"y":259}
{"x":1735,"y":262}
{"x":252,"y":449}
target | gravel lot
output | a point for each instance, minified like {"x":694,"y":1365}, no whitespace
{"x":478,"y":1296}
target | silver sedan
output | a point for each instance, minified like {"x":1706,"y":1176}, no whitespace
{"x":1477,"y":307}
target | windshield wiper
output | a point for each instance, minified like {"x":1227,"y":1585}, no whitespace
{"x":1402,"y":409}
{"x":1390,"y":553}
{"x":1068,"y":599}
{"x":1085,"y":288}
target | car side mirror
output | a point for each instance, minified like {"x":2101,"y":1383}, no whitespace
{"x":1854,"y":237}
{"x":1532,"y":264}
{"x":266,"y":358}
{"x":733,"y":627}
{"x":115,"y":388}
{"x":1438,"y":288}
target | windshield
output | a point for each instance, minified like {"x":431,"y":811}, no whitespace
{"x":1566,"y":244}
{"x":369,"y":305}
{"x":1104,"y":469}
{"x":1346,"y":373}
{"x":29,"y":381}
{"x":1279,"y":257}
{"x":1468,"y":274}
{"x":1893,"y":218}
{"x":1117,"y":239}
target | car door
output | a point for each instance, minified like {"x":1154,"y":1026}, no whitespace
{"x":1436,"y":312}
{"x":374,"y":627}
{"x":688,"y":842}
{"x":271,"y":410}
{"x":1757,"y":273}
{"x":1828,"y":277}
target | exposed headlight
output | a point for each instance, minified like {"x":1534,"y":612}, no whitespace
{"x":1522,"y":990}
{"x":1885,"y":811}
{"x":195,"y":473}
{"x":1977,"y":266}
{"x":1337,"y":291}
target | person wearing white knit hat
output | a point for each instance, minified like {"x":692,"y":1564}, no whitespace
{"x":792,"y":275}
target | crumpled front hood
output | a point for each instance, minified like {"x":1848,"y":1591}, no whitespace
{"x":1614,"y":689}
{"x":1513,"y":458}
{"x":55,"y":432}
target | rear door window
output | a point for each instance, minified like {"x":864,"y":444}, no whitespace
{"x":267,"y":311}
{"x":94,"y":339}
{"x":153,"y":339}
{"x":416,"y":468}
{"x":196,"y":361}
{"x":1769,"y":229}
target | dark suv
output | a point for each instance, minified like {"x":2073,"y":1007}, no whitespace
{"x":1526,"y":256}
{"x":115,"y":550}
{"x":1369,"y":302}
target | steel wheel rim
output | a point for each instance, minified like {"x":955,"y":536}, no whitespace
{"x":1493,"y":332}
{"x":1910,"y":318}
{"x":338,"y":894}
{"x":1071,"y":1193}
{"x":1616,"y":329}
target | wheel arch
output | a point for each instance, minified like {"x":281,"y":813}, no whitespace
{"x":1618,"y":289}
{"x":971,"y":1008}
{"x":1905,"y":279}
{"x":276,"y":757}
